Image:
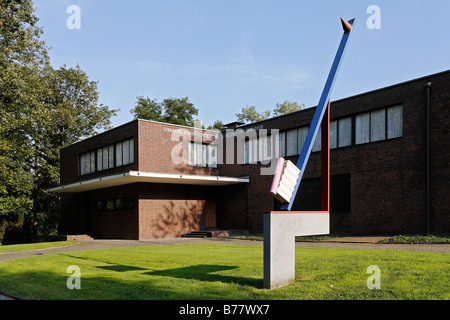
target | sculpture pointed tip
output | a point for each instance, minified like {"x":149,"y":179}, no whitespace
{"x":346,"y":26}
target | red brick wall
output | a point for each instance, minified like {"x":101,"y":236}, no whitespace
{"x":156,"y":145}
{"x":168,"y":210}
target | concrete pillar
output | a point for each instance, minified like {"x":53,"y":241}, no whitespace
{"x":280,"y":230}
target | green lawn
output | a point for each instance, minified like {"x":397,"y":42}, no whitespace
{"x":34,"y":246}
{"x":225,"y":272}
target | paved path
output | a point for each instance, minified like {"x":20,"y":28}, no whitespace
{"x":344,"y":243}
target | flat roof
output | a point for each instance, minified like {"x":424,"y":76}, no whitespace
{"x":147,"y":177}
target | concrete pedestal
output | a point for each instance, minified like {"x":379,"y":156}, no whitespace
{"x":280,"y":230}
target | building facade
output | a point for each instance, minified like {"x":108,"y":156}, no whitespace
{"x":389,"y":170}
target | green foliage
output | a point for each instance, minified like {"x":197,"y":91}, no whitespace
{"x":250,"y":115}
{"x":217,"y":125}
{"x":416,"y":239}
{"x":287,"y":107}
{"x":41,"y":110}
{"x":171,"y":110}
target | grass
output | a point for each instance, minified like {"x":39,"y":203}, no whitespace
{"x":184,"y":272}
{"x":33,"y":246}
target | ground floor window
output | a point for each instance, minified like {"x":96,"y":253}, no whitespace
{"x":115,"y":204}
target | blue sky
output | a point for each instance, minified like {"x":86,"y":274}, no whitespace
{"x":225,"y":55}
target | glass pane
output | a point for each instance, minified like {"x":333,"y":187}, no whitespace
{"x":333,"y":135}
{"x":345,"y":132}
{"x":131,"y":150}
{"x":92,"y":169}
{"x":110,"y":205}
{"x":264,"y":148}
{"x":105,"y":158}
{"x":111,"y":156}
{"x":118,"y":154}
{"x":82,"y":164}
{"x":100,"y":205}
{"x":362,"y":130}
{"x":318,"y":143}
{"x":282,"y":138}
{"x":291,"y":143}
{"x":126,"y":152}
{"x":212,"y":156}
{"x":246,"y":152}
{"x":395,"y":122}
{"x":191,"y":152}
{"x":378,"y":125}
{"x":100,"y":159}
{"x":302,"y":133}
{"x":253,"y":151}
{"x":202,"y":155}
{"x":119,"y":204}
{"x":87,"y":163}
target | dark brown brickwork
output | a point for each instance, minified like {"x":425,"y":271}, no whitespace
{"x":388,"y":178}
{"x":381,"y":186}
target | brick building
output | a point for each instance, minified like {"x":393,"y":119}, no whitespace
{"x":389,"y":170}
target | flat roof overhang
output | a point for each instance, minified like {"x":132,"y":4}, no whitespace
{"x":147,"y":177}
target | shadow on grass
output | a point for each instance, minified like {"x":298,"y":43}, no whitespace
{"x":201,"y":272}
{"x":205,"y":272}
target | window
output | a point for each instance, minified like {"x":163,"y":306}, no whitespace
{"x":301,"y":134}
{"x":115,"y":204}
{"x":99,"y":159}
{"x":110,"y":205}
{"x":124,"y":152}
{"x":119,"y":157}
{"x":87,"y":163}
{"x":362,"y":127}
{"x":265,"y":148}
{"x":394,"y":122}
{"x":378,"y":125}
{"x":105,"y":153}
{"x":119,"y":204}
{"x":333,"y":134}
{"x":212,"y":156}
{"x":111,"y":156}
{"x":202,"y":155}
{"x":345,"y":132}
{"x":282,"y":137}
{"x":317,"y":146}
{"x":291,"y":143}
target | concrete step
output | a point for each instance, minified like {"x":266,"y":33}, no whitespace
{"x":78,"y":237}
{"x":197,"y":234}
{"x":214,"y":233}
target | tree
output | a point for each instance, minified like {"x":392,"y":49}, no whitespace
{"x":41,"y":110}
{"x":179,"y":111}
{"x":217,"y":125}
{"x":250,"y":115}
{"x":171,"y":110}
{"x":148,"y":109}
{"x":287,"y":107}
{"x":70,"y":111}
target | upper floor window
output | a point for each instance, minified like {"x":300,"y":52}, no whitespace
{"x":202,"y":155}
{"x":379,"y":125}
{"x":108,"y":157}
